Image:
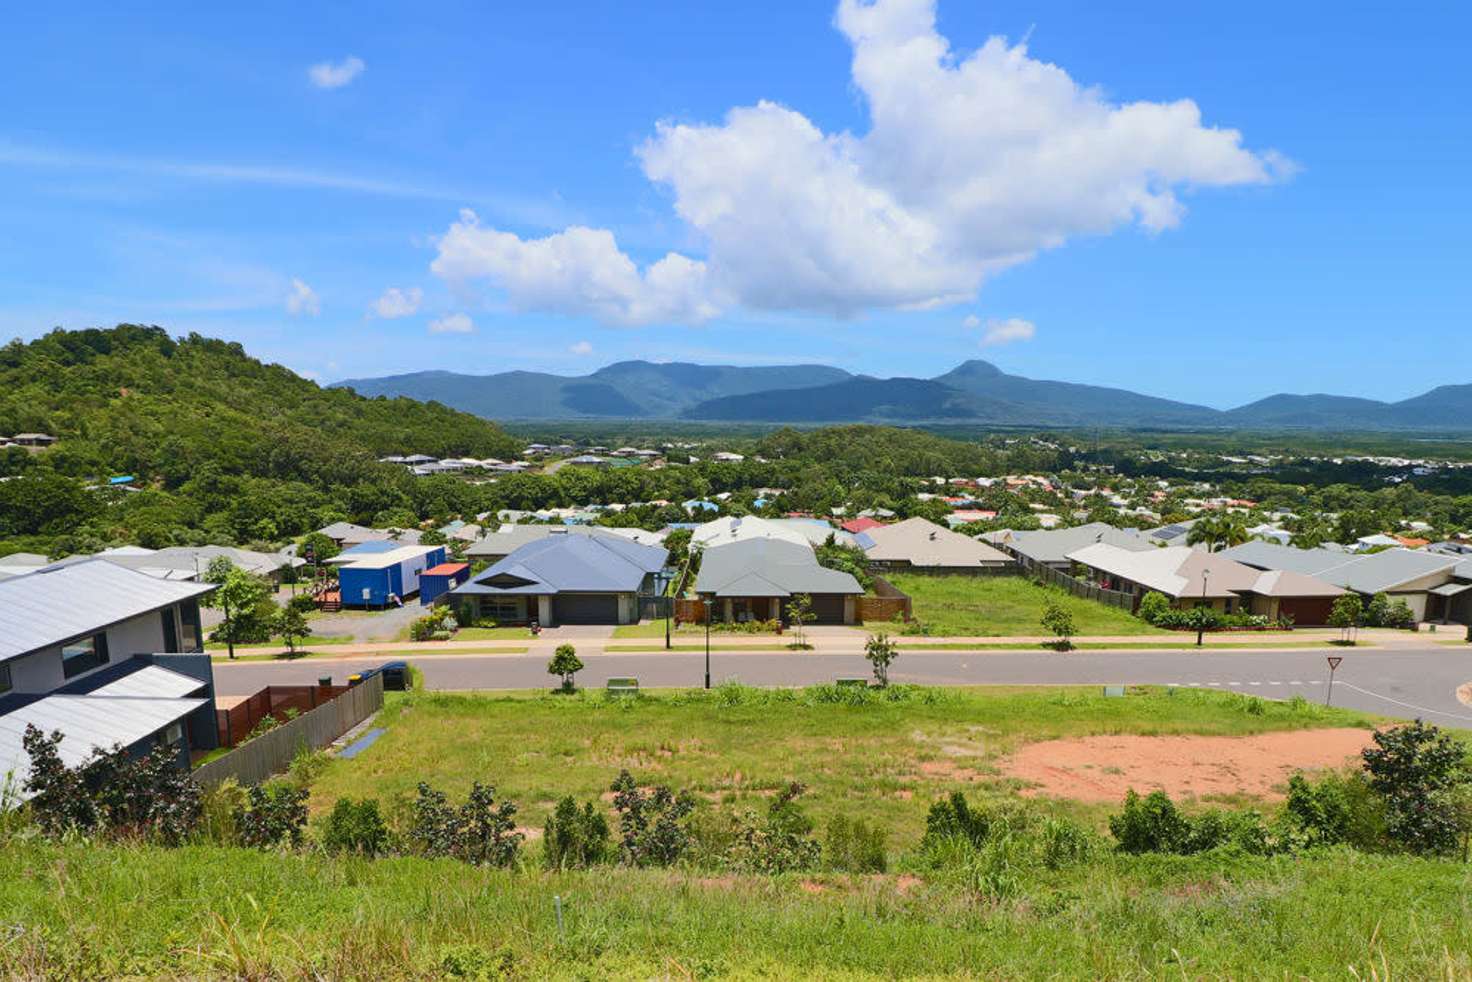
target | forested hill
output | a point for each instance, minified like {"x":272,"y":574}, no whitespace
{"x":131,"y":399}
{"x":226,"y":449}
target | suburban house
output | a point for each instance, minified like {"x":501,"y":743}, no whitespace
{"x":383,"y":574}
{"x":1197,"y":578}
{"x":192,"y":562}
{"x":496,"y":546}
{"x":1050,"y":547}
{"x":124,"y":667}
{"x":346,"y":535}
{"x":566,"y":578}
{"x":799,"y":531}
{"x":753,"y":579}
{"x":919,"y":544}
{"x":1436,"y":586}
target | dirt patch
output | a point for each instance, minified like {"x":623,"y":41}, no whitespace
{"x":1103,"y":768}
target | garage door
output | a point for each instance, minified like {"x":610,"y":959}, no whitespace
{"x":827,"y":608}
{"x":585,"y":608}
{"x":1307,"y":611}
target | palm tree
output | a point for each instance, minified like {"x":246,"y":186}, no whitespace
{"x":1218,"y":531}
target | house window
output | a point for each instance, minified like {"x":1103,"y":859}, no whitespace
{"x":4,"y":679}
{"x":169,"y":735}
{"x":501,"y":609}
{"x":84,"y":655}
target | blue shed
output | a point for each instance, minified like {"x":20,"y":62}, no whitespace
{"x":384,"y":578}
{"x":439,"y":580}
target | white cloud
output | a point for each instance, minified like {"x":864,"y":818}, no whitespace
{"x":1004,"y":331}
{"x":971,"y":322}
{"x":398,"y":303}
{"x":972,"y":163}
{"x":452,"y":324}
{"x":581,"y":348}
{"x":579,"y":271}
{"x":302,"y":300}
{"x":334,"y":75}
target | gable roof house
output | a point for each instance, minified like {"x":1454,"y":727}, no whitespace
{"x":1050,"y":547}
{"x":347,"y":535}
{"x":1436,"y":586}
{"x":917,"y":543}
{"x":754,"y":579}
{"x":1195,"y":578}
{"x":566,"y":578}
{"x":107,"y":656}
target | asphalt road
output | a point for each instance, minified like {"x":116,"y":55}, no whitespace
{"x":1403,"y":682}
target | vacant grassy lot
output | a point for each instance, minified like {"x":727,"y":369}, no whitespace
{"x":1011,"y":606}
{"x":74,"y":911}
{"x":885,"y":759}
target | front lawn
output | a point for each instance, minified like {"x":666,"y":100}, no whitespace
{"x":493,"y":634}
{"x":1005,"y":606}
{"x":655,"y":629}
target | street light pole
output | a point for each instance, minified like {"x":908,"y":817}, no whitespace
{"x":708,"y":604}
{"x":1201,"y":619}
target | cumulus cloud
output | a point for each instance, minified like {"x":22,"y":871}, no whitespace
{"x":334,"y":75}
{"x":971,"y":163}
{"x":398,"y":303}
{"x":1005,"y":331}
{"x":578,"y":271}
{"x":452,"y":324}
{"x":581,"y":348}
{"x":302,"y":300}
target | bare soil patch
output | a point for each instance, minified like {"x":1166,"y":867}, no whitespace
{"x":1103,"y":768}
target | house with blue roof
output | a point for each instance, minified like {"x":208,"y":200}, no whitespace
{"x":566,"y":578}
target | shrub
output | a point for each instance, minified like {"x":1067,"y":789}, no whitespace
{"x":1318,"y":811}
{"x":273,"y":815}
{"x":952,"y":819}
{"x":1416,"y":769}
{"x":566,"y":663}
{"x":781,"y":841}
{"x":356,"y":827}
{"x":574,"y":838}
{"x":854,"y":846}
{"x":1150,"y":824}
{"x":1377,"y":612}
{"x":1153,"y":607}
{"x":479,"y":832}
{"x":1065,"y":843}
{"x":653,"y":830}
{"x":110,"y":792}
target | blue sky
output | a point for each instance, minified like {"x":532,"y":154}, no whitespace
{"x":756,"y":183}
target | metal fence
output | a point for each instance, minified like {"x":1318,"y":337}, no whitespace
{"x":256,"y":760}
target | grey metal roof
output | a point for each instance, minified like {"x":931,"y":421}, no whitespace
{"x":570,"y":564}
{"x":509,"y":538}
{"x":56,"y":604}
{"x":1370,"y":573}
{"x":786,"y":566}
{"x":1450,"y":589}
{"x":151,"y":681}
{"x":1054,"y":545}
{"x":88,"y":723}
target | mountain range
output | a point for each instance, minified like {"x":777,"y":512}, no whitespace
{"x":975,"y":391}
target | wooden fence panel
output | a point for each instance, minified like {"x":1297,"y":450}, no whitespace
{"x":269,"y":754}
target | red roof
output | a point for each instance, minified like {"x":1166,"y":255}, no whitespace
{"x":446,"y":569}
{"x":857,"y":525}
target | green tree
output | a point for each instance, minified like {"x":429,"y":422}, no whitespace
{"x":799,"y":613}
{"x":238,"y":595}
{"x":881,"y":653}
{"x":291,"y":624}
{"x":1346,"y":614}
{"x":1058,"y":621}
{"x":566,"y":663}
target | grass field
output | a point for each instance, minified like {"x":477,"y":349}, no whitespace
{"x":1005,"y":606}
{"x":736,"y":746}
{"x":74,"y":910}
{"x":204,"y":912}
